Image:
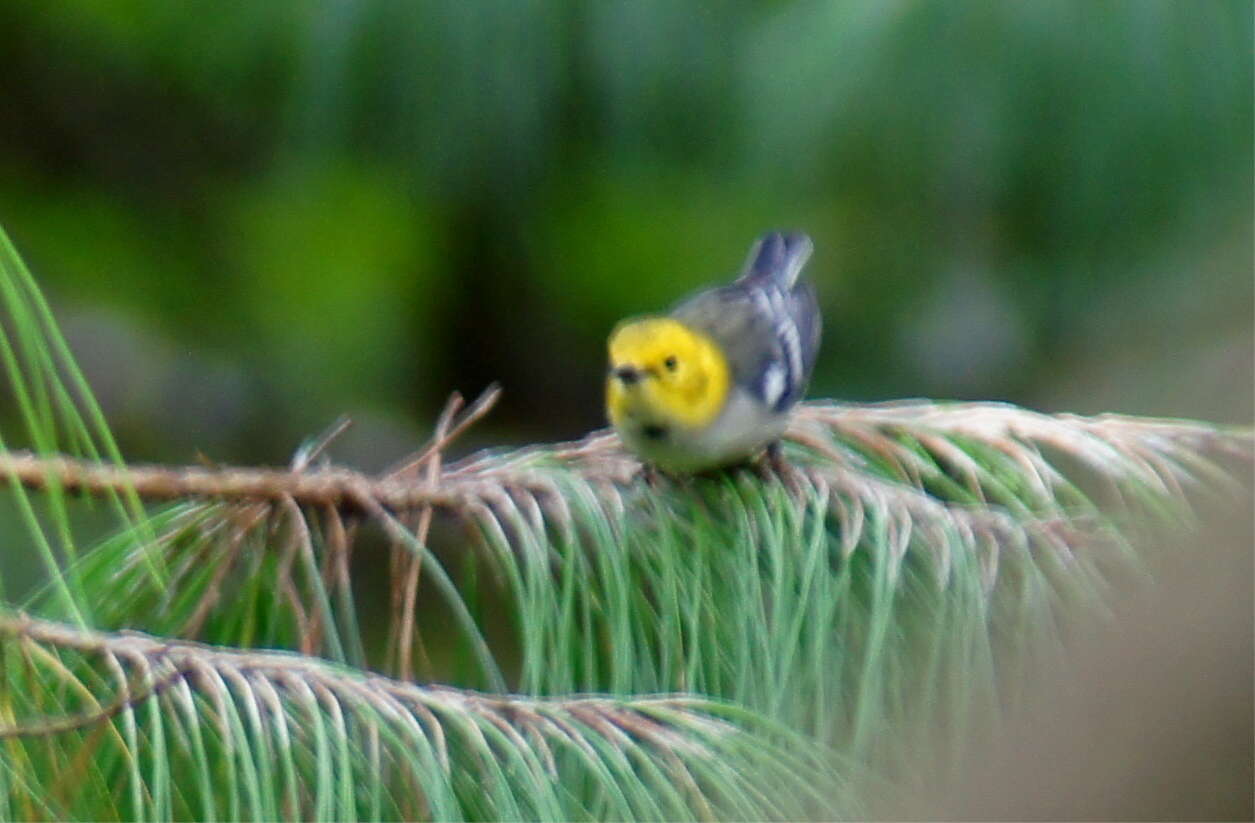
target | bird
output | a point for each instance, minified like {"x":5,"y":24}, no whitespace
{"x":711,"y":383}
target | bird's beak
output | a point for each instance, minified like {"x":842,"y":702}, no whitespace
{"x":627,"y":375}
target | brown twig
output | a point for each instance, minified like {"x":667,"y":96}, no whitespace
{"x":192,"y":625}
{"x":309,"y":630}
{"x":1105,"y":442}
{"x":309,"y":453}
{"x":477,"y":410}
{"x":405,"y":637}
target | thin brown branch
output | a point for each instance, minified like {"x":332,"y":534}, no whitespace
{"x":1108,"y":444}
{"x":311,"y":451}
{"x":405,"y":637}
{"x":450,"y":432}
{"x":243,"y":525}
{"x":299,"y":541}
{"x":400,"y":560}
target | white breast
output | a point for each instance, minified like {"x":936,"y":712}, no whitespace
{"x":744,"y":427}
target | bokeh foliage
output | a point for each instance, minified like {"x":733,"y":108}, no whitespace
{"x":276,"y":212}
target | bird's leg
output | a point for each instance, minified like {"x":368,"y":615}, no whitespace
{"x":788,"y":474}
{"x":650,"y":474}
{"x":773,"y":466}
{"x":765,"y":465}
{"x":774,"y":455}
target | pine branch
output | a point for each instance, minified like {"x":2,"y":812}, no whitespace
{"x":962,"y":484}
{"x":1113,"y":446}
{"x":373,"y":746}
{"x":902,"y":547}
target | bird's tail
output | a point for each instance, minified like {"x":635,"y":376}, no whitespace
{"x":778,"y":256}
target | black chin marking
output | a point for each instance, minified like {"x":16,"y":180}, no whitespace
{"x":654,"y":431}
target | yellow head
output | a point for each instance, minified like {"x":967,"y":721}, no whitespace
{"x":662,"y":371}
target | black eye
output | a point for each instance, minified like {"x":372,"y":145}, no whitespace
{"x":670,"y":363}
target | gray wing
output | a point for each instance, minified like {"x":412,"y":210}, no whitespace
{"x":769,"y":330}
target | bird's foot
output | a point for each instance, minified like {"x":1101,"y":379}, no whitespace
{"x":773,"y":466}
{"x":774,"y":457}
{"x":650,"y":475}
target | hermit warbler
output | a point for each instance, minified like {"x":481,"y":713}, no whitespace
{"x":712,"y":383}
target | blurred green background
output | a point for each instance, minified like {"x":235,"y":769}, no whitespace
{"x":252,"y":217}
